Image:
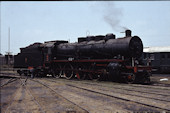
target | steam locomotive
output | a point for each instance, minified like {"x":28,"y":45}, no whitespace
{"x":92,"y":57}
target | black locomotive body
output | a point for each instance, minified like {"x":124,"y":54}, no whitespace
{"x":29,"y":56}
{"x":93,"y":57}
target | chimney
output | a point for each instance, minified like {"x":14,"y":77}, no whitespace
{"x":128,"y":33}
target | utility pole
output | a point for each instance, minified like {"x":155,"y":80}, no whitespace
{"x":7,"y":56}
{"x":8,"y":46}
{"x":9,"y":41}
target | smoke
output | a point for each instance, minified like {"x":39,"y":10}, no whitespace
{"x":111,"y":14}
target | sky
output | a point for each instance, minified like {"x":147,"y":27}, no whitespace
{"x":31,"y":22}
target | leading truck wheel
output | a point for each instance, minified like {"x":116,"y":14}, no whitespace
{"x":130,"y":78}
{"x":68,"y":71}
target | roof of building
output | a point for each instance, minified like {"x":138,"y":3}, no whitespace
{"x":156,"y":49}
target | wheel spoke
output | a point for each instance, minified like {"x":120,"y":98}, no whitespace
{"x":68,"y":71}
{"x":130,"y":78}
{"x":57,"y":72}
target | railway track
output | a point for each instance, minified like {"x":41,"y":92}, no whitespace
{"x":8,"y":81}
{"x":148,"y":97}
{"x":14,"y":102}
{"x":7,"y":78}
{"x":139,"y":94}
{"x":45,"y":85}
{"x":122,"y":98}
{"x":161,"y":84}
{"x":8,"y":84}
{"x":103,"y":90}
{"x":23,"y":82}
{"x":130,"y":87}
{"x":25,"y":94}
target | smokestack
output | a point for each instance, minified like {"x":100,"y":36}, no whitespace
{"x":128,"y":33}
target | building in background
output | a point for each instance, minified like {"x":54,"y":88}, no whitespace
{"x":6,"y":59}
{"x":158,"y":58}
{"x":2,"y":60}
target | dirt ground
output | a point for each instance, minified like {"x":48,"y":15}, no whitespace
{"x":160,"y":78}
{"x":53,"y":95}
